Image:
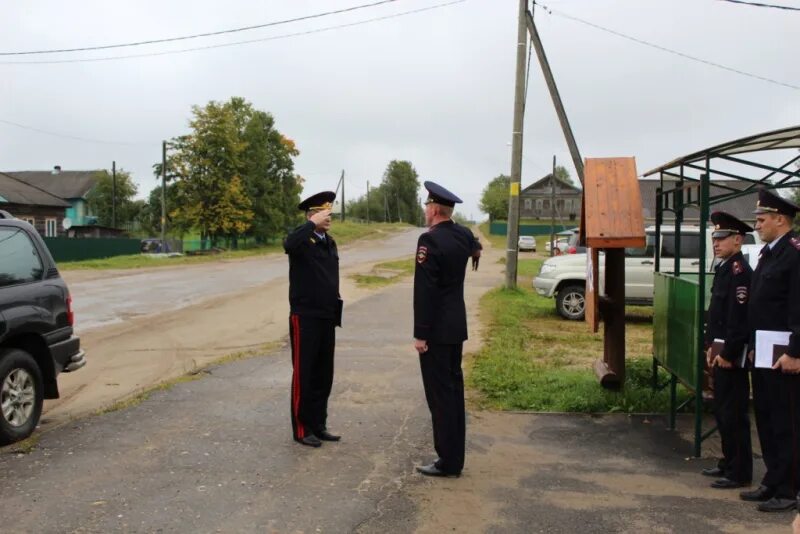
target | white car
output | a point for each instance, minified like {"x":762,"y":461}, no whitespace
{"x":564,"y":277}
{"x":526,"y":242}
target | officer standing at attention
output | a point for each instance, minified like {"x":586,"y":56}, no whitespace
{"x":315,"y":312}
{"x":775,"y":305}
{"x":727,"y":320}
{"x":440,"y":326}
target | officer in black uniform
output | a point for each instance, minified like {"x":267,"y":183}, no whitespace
{"x":315,"y":312}
{"x":727,"y":321}
{"x":440,"y":326}
{"x":775,"y":305}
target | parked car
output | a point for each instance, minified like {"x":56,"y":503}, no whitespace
{"x":565,"y":242}
{"x":564,"y":277}
{"x":37,"y":341}
{"x":526,"y":242}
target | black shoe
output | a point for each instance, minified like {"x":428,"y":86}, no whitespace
{"x":713,"y":472}
{"x":324,"y":435}
{"x":433,"y":471}
{"x":726,"y":483}
{"x":760,"y":494}
{"x":777,"y":504}
{"x":310,"y":440}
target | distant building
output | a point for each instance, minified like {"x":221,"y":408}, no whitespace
{"x":741,"y":207}
{"x":41,"y":209}
{"x":536,"y":200}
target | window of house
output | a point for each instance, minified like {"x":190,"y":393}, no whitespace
{"x":568,"y":205}
{"x":528,"y":203}
{"x":538,"y":204}
{"x":51,"y":230}
{"x":19,"y":260}
{"x":546,"y":203}
{"x":30,"y":220}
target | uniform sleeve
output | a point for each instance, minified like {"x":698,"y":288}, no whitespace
{"x":426,"y":286}
{"x":736,"y":331}
{"x":794,"y":310}
{"x":298,"y":236}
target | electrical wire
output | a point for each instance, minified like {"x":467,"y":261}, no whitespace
{"x":237,"y":43}
{"x":668,"y":50}
{"x":759,"y":4}
{"x":74,"y":138}
{"x":197,"y":35}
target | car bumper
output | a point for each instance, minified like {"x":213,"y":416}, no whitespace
{"x":543,"y":286}
{"x":68,"y":354}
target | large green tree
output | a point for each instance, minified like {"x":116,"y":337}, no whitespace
{"x":494,"y":200}
{"x":396,"y":199}
{"x":100,"y":198}
{"x":563,"y":174}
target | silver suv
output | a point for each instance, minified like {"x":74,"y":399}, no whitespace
{"x":564,"y":277}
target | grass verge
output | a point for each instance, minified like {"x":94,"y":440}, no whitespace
{"x":344,"y":232}
{"x":534,"y":360}
{"x":386,"y":273}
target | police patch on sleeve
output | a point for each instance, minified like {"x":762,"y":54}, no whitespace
{"x":795,"y":241}
{"x":741,"y":294}
{"x":422,"y":254}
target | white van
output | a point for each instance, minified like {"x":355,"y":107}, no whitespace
{"x":564,"y":277}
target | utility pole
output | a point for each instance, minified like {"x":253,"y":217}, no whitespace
{"x":385,"y":207}
{"x":553,"y":209}
{"x":342,"y":180}
{"x":163,"y":196}
{"x":399,"y":216}
{"x":551,"y":86}
{"x":512,"y":232}
{"x":367,"y":201}
{"x":113,"y":194}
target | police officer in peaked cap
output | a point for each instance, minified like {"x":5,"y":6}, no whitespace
{"x":316,"y":309}
{"x":440,"y":326}
{"x":725,"y":340}
{"x":775,"y":305}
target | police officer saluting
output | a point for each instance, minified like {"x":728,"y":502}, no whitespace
{"x":315,"y":312}
{"x":440,"y":326}
{"x":727,"y":321}
{"x":775,"y":305}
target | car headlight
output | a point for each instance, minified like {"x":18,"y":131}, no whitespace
{"x":546,"y":268}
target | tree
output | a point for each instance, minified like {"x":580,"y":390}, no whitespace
{"x":563,"y":174}
{"x":395,"y":199}
{"x":100,"y":198}
{"x":494,"y":200}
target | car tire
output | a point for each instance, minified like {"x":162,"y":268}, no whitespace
{"x":571,"y":302}
{"x":21,"y":395}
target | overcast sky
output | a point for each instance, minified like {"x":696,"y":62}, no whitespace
{"x":435,"y":88}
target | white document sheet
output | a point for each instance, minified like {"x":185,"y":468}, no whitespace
{"x":766,"y":340}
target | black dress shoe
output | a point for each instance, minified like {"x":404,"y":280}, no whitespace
{"x":726,"y":483}
{"x":713,"y":472}
{"x":324,"y":435}
{"x":760,"y":494}
{"x":778,"y":504}
{"x":433,"y":471}
{"x":310,"y":440}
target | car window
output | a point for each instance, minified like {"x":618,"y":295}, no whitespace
{"x":690,"y":245}
{"x":19,"y":260}
{"x":749,"y":239}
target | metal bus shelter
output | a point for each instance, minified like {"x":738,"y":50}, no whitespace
{"x":681,"y":299}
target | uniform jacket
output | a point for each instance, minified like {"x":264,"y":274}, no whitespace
{"x":775,"y":292}
{"x":727,"y":312}
{"x":440,"y":315}
{"x":313,"y":273}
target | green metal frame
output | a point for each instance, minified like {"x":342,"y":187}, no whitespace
{"x":683,"y":356}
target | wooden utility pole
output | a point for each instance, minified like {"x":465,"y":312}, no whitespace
{"x":512,"y":231}
{"x":113,"y":194}
{"x":551,"y":86}
{"x":367,"y":201}
{"x":553,"y":209}
{"x":163,"y":196}
{"x":341,"y":180}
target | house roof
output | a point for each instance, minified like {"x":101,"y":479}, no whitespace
{"x":741,"y":207}
{"x":14,"y":191}
{"x":63,"y":184}
{"x":545,"y":181}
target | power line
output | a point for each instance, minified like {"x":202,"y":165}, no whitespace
{"x":198,"y":35}
{"x":237,"y":43}
{"x":73,"y":137}
{"x":669,"y":50}
{"x":759,"y":4}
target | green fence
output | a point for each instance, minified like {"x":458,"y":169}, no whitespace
{"x":77,"y":249}
{"x":501,"y":227}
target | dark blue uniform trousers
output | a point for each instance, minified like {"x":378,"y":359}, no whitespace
{"x":731,"y":400}
{"x":313,"y":342}
{"x":444,"y":391}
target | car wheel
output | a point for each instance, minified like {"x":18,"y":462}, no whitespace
{"x":571,"y":302}
{"x":21,"y":395}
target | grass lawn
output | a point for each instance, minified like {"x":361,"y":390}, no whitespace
{"x":343,"y":232}
{"x":534,"y":360}
{"x":386,"y":273}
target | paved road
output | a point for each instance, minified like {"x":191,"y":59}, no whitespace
{"x":107,"y":301}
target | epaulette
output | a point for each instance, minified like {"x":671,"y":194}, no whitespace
{"x":737,"y":267}
{"x":795,"y":241}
